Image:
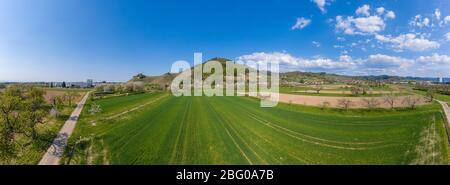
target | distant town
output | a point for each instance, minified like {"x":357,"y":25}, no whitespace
{"x":89,"y":83}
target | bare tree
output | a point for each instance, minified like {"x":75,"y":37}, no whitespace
{"x":446,"y":88}
{"x":345,"y":103}
{"x":318,"y":88}
{"x":127,"y":87}
{"x":357,"y":90}
{"x":109,"y":88}
{"x":95,"y":108}
{"x":138,"y":87}
{"x":370,"y":103}
{"x":411,"y":101}
{"x":99,"y":88}
{"x":390,"y":99}
{"x":431,"y":94}
{"x":70,"y":96}
{"x":324,"y":105}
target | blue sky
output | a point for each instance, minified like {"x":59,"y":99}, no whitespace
{"x":72,"y":40}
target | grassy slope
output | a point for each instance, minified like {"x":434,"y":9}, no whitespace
{"x":235,"y":130}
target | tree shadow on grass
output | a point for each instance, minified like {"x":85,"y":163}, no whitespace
{"x":63,"y":117}
{"x":44,"y":140}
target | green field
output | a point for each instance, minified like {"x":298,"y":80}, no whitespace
{"x":235,"y":130}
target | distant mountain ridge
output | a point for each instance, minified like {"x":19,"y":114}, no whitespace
{"x":291,"y":77}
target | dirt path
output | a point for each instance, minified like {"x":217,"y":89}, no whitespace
{"x":56,"y":150}
{"x":446,"y":109}
{"x":344,"y":92}
{"x":356,"y":102}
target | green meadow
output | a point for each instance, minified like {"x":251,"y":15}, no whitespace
{"x":157,"y":128}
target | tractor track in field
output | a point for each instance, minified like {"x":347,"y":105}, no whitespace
{"x":177,"y":139}
{"x":288,"y":132}
{"x":280,"y":128}
{"x":306,"y":161}
{"x":277,"y":146}
{"x":143,"y":153}
{"x":245,"y":143}
{"x":308,"y":136}
{"x":135,"y":132}
{"x":232,"y":138}
{"x":132,"y":109}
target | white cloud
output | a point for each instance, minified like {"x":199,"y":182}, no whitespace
{"x":360,"y":25}
{"x":363,"y":10}
{"x":434,"y":65}
{"x":380,"y":10}
{"x":447,"y":36}
{"x":364,"y":23}
{"x":321,"y":5}
{"x":301,"y":23}
{"x":288,"y":62}
{"x":420,"y":21}
{"x":434,"y":59}
{"x":426,"y":22}
{"x":430,"y":20}
{"x":409,"y":42}
{"x":340,"y":38}
{"x":447,"y":19}
{"x":390,"y":15}
{"x":370,"y":24}
{"x":378,"y":64}
{"x":345,"y":58}
{"x":316,"y":44}
{"x":437,"y":14}
{"x":386,"y":61}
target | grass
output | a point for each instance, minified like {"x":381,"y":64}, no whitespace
{"x":31,"y":151}
{"x":117,"y":104}
{"x":235,"y":130}
{"x":441,"y":97}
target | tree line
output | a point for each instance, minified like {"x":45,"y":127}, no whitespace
{"x":433,"y":88}
{"x":22,"y":109}
{"x":373,"y":103}
{"x":128,"y":87}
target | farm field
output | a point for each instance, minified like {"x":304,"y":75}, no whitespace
{"x":235,"y":130}
{"x":52,"y":92}
{"x":356,"y":102}
{"x":341,"y":91}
